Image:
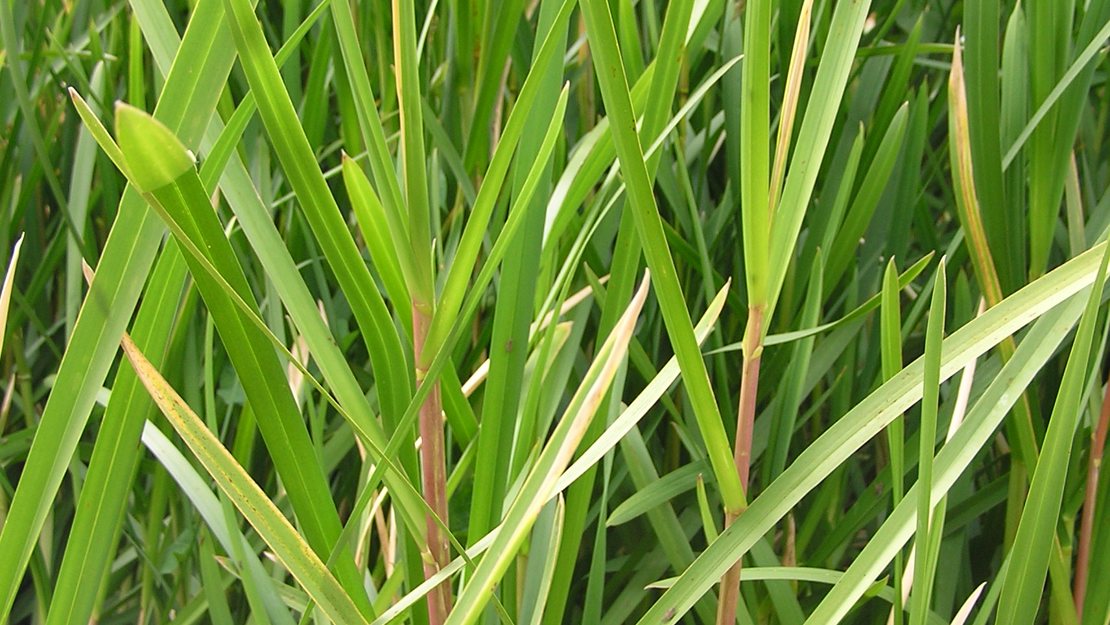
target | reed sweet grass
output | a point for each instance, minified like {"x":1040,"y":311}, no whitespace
{"x":554,"y":311}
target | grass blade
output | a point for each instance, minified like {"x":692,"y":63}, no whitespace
{"x":162,"y":156}
{"x":544,"y":475}
{"x":813,"y":135}
{"x":927,"y":526}
{"x":614,"y":87}
{"x":186,"y":104}
{"x":1021,"y":591}
{"x":863,"y":421}
{"x":237,"y":485}
{"x":6,"y":288}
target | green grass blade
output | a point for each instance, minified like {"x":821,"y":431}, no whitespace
{"x":294,"y":293}
{"x":813,"y":137}
{"x":154,"y":156}
{"x":115,"y":457}
{"x":218,"y":608}
{"x":10,"y":40}
{"x":866,"y":419}
{"x":260,"y":372}
{"x":485,"y":502}
{"x":296,"y":156}
{"x":921,"y":595}
{"x":413,"y":166}
{"x":891,"y":356}
{"x":664,"y":489}
{"x":1081,"y":62}
{"x":237,"y":485}
{"x":553,"y":535}
{"x":873,"y":302}
{"x":98,"y":131}
{"x":543,"y":477}
{"x":1037,"y":530}
{"x":755,"y":150}
{"x":867,"y":198}
{"x":186,"y":105}
{"x":614,"y":89}
{"x":801,"y":355}
{"x":462,"y":266}
{"x":373,"y":133}
{"x":262,"y":593}
{"x":496,"y":40}
{"x":81,"y":190}
{"x":515,"y":302}
{"x":372,"y":222}
{"x":644,"y":401}
{"x":981,"y":422}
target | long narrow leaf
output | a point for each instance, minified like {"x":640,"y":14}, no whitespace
{"x":234,"y":481}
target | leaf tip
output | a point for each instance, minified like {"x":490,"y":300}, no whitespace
{"x":154,"y":155}
{"x":88,"y":272}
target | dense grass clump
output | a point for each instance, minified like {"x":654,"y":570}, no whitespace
{"x":554,"y":311}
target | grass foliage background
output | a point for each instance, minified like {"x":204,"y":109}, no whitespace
{"x":546,"y":311}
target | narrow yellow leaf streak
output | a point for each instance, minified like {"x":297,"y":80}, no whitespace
{"x":959,"y":142}
{"x":6,"y":290}
{"x":790,"y":103}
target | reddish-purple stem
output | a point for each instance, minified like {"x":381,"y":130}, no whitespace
{"x":1094,"y":465}
{"x":742,"y":452}
{"x":433,"y":471}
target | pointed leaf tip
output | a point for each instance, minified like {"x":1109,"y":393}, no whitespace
{"x":154,"y":155}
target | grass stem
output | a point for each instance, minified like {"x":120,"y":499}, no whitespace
{"x":1087,"y":521}
{"x":433,"y":475}
{"x":742,"y":455}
